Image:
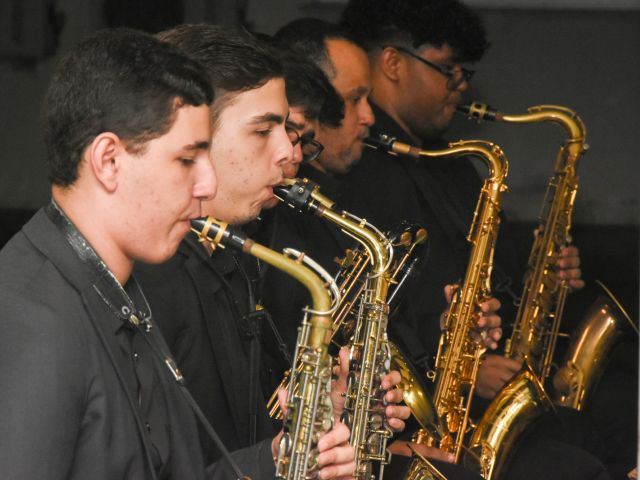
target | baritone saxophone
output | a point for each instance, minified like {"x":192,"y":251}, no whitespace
{"x":309,"y":409}
{"x":459,"y":355}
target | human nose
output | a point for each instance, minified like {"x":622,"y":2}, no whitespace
{"x":206,"y":184}
{"x":285,"y":151}
{"x":366,"y":114}
{"x":290,"y":169}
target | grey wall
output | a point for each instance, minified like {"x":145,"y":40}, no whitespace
{"x":582,"y":59}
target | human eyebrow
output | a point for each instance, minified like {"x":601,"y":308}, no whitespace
{"x":359,"y":91}
{"x":202,"y":145}
{"x":296,"y":125}
{"x":267,"y":118}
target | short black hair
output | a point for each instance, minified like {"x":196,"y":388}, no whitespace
{"x":308,"y":36}
{"x":415,"y":23}
{"x":309,"y":88}
{"x":235,"y":61}
{"x":121,"y":81}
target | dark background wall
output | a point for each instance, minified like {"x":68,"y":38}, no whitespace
{"x":577,"y":54}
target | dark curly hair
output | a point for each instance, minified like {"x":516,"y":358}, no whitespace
{"x":121,"y":81}
{"x":309,"y":88}
{"x":416,"y":23}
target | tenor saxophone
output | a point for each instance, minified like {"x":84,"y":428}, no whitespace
{"x":369,"y":355}
{"x":309,"y":408}
{"x":459,"y":356}
{"x":540,"y":312}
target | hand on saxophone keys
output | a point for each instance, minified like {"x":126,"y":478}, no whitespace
{"x":488,"y":330}
{"x":336,"y":458}
{"x":395,"y":414}
{"x":568,"y":266}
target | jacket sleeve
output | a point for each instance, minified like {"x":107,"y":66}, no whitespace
{"x":255,"y":462}
{"x":42,"y":399}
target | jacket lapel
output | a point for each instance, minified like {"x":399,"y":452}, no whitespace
{"x":231,"y":363}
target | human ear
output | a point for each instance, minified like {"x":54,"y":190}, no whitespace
{"x":103,"y":159}
{"x":390,"y":63}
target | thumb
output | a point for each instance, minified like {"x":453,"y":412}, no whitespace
{"x":282,"y":400}
{"x":448,"y":293}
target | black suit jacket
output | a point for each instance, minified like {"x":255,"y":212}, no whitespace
{"x":199,"y":304}
{"x":67,"y":411}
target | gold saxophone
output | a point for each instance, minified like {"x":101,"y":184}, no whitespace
{"x":309,"y":408}
{"x":540,"y":312}
{"x":459,"y":355}
{"x":535,"y":331}
{"x":369,"y":357}
{"x":537,"y":323}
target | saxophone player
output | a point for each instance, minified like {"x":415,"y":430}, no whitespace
{"x":346,"y":65}
{"x":256,"y":140}
{"x":419,"y":52}
{"x":204,"y":299}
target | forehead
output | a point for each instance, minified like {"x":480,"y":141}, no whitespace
{"x":297,"y":116}
{"x":351,"y":65}
{"x":438,"y":54}
{"x":251,"y":104}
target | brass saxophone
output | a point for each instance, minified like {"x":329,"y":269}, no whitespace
{"x":407,"y":241}
{"x":538,"y":320}
{"x":309,"y":408}
{"x":369,"y":357}
{"x":591,"y":342}
{"x":459,"y":355}
{"x":537,"y":323}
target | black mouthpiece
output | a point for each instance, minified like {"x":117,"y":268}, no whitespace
{"x":296,"y":195}
{"x":381,"y":142}
{"x":478,"y":111}
{"x":218,"y":233}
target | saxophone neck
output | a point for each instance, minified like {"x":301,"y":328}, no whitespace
{"x":563,"y":116}
{"x":218,"y":233}
{"x":305,"y":195}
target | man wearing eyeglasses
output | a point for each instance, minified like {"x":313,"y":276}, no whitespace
{"x":419,"y":51}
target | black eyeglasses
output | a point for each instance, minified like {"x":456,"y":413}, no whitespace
{"x":455,"y":75}
{"x":311,"y":148}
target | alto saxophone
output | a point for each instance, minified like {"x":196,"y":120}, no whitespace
{"x":369,"y":357}
{"x":407,"y":241}
{"x":537,"y":323}
{"x":459,"y":356}
{"x":309,"y":408}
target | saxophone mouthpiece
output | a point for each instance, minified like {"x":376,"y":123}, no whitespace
{"x":479,"y":111}
{"x":296,"y":193}
{"x":218,"y":233}
{"x":381,"y":142}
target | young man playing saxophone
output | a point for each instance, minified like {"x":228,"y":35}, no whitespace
{"x":86,"y":392}
{"x":211,"y":293}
